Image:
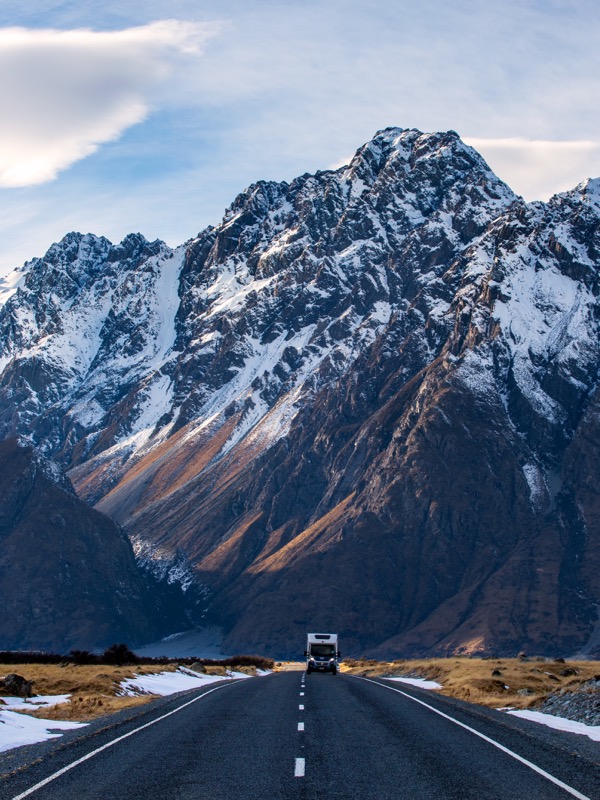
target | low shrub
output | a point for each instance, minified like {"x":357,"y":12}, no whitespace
{"x":119,"y":654}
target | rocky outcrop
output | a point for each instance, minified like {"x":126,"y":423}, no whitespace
{"x":581,"y":705}
{"x":14,"y":685}
{"x":366,"y":401}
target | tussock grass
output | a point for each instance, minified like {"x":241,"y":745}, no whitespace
{"x":495,"y":683}
{"x":84,"y":679}
{"x":215,"y":670}
{"x":219,"y":669}
{"x":93,"y":688}
{"x":83,"y":708}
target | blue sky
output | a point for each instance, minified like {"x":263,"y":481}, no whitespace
{"x":121,"y":117}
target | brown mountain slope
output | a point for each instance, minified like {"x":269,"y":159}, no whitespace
{"x":68,"y":578}
{"x":418,"y":504}
{"x":424,"y":502}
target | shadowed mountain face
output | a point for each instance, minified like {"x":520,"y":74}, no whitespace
{"x":365,"y":402}
{"x":68,"y":577}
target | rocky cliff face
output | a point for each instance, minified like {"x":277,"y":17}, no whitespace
{"x":68,"y":577}
{"x":365,"y":401}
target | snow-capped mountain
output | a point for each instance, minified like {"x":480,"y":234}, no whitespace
{"x":365,"y":400}
{"x":112,"y":342}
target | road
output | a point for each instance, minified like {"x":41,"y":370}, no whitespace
{"x":319,"y":736}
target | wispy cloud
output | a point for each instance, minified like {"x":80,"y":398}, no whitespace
{"x":64,"y":93}
{"x":285,"y":88}
{"x":537,"y":169}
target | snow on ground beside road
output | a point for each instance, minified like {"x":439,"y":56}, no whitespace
{"x":164,"y":683}
{"x":560,"y":723}
{"x":33,"y":703}
{"x":419,"y":682}
{"x":19,"y":729}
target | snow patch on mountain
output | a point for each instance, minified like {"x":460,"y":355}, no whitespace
{"x":538,"y":488}
{"x":545,"y":316}
{"x":11,"y":283}
{"x":476,"y":373}
{"x":164,"y":566}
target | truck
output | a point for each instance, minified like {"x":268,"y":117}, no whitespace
{"x":322,"y":654}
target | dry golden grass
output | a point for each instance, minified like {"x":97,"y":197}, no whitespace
{"x":249,"y":670}
{"x":82,"y":708}
{"x":79,"y":678}
{"x":215,"y":670}
{"x":471,"y":679}
{"x":93,"y":688}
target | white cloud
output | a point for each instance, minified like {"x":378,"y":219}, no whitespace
{"x":64,"y":93}
{"x":290,"y":88}
{"x":537,"y":169}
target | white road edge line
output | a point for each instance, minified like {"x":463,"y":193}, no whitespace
{"x":300,"y":768}
{"x":114,"y":741}
{"x":524,"y":761}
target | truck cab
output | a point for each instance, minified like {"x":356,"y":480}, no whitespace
{"x":322,"y":654}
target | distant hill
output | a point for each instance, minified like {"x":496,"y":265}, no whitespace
{"x":68,"y":577}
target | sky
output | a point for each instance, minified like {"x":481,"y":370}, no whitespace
{"x":120,"y":117}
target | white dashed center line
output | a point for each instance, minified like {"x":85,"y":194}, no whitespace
{"x":300,"y":767}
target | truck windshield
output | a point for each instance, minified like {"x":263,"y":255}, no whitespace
{"x":322,"y":650}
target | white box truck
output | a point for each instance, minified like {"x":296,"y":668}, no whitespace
{"x":322,"y":654}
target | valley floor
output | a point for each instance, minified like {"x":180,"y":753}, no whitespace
{"x":293,"y":736}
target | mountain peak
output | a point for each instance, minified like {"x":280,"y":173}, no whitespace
{"x":422,"y":163}
{"x":590,"y":191}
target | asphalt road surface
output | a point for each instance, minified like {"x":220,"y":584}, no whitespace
{"x":317,"y":736}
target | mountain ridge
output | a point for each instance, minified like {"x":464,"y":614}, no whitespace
{"x":294,"y":392}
